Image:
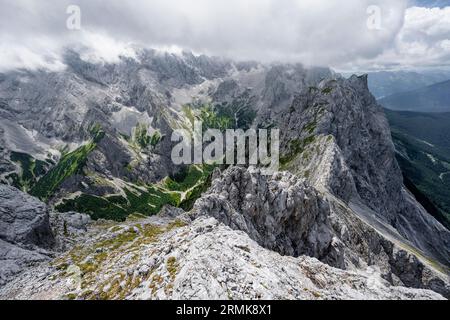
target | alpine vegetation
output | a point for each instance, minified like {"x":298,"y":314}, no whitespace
{"x":251,"y":147}
{"x":224,"y":150}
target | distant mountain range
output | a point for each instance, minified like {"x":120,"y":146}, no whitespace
{"x":433,"y":98}
{"x":386,"y":83}
{"x":422,"y":142}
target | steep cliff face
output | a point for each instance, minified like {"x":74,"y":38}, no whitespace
{"x":30,"y":233}
{"x":24,"y":219}
{"x":173,"y":258}
{"x":285,"y":214}
{"x":345,"y":110}
{"x":95,"y":130}
{"x":25,"y":232}
{"x":336,"y":136}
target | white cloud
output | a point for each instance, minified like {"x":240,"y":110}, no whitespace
{"x":423,"y":41}
{"x":322,"y":32}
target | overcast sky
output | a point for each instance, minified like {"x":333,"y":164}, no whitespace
{"x":405,"y":34}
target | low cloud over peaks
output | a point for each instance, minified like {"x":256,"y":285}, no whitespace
{"x":327,"y":32}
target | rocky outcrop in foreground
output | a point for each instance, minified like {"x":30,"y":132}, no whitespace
{"x":163,"y":258}
{"x":340,"y":225}
{"x":249,"y":237}
{"x":25,"y":232}
{"x":30,"y":233}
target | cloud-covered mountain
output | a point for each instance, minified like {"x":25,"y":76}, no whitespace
{"x":93,"y":205}
{"x":325,"y":33}
{"x":95,"y":138}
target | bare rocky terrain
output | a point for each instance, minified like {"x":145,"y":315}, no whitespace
{"x":92,"y":207}
{"x":165,"y":257}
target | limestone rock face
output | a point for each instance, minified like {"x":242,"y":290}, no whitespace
{"x":25,"y":233}
{"x":282,"y":213}
{"x":285,"y":214}
{"x":337,"y":136}
{"x":24,"y":220}
{"x":68,"y":227}
{"x":15,"y":259}
{"x":335,"y":222}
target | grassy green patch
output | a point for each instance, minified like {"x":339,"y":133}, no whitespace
{"x":194,"y":182}
{"x":310,"y":127}
{"x":237,"y":114}
{"x":96,"y":207}
{"x":179,"y":191}
{"x":188,"y":112}
{"x":187,"y":178}
{"x":118,"y":208}
{"x":240,"y":111}
{"x":212,"y":120}
{"x":327,"y":90}
{"x":172,"y":267}
{"x":118,"y":241}
{"x":97,"y":132}
{"x":155,"y":139}
{"x":142,"y":138}
{"x":296,"y":147}
{"x":69,"y":164}
{"x":193,"y":194}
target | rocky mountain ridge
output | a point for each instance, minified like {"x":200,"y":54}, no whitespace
{"x":95,"y":139}
{"x":171,"y":256}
